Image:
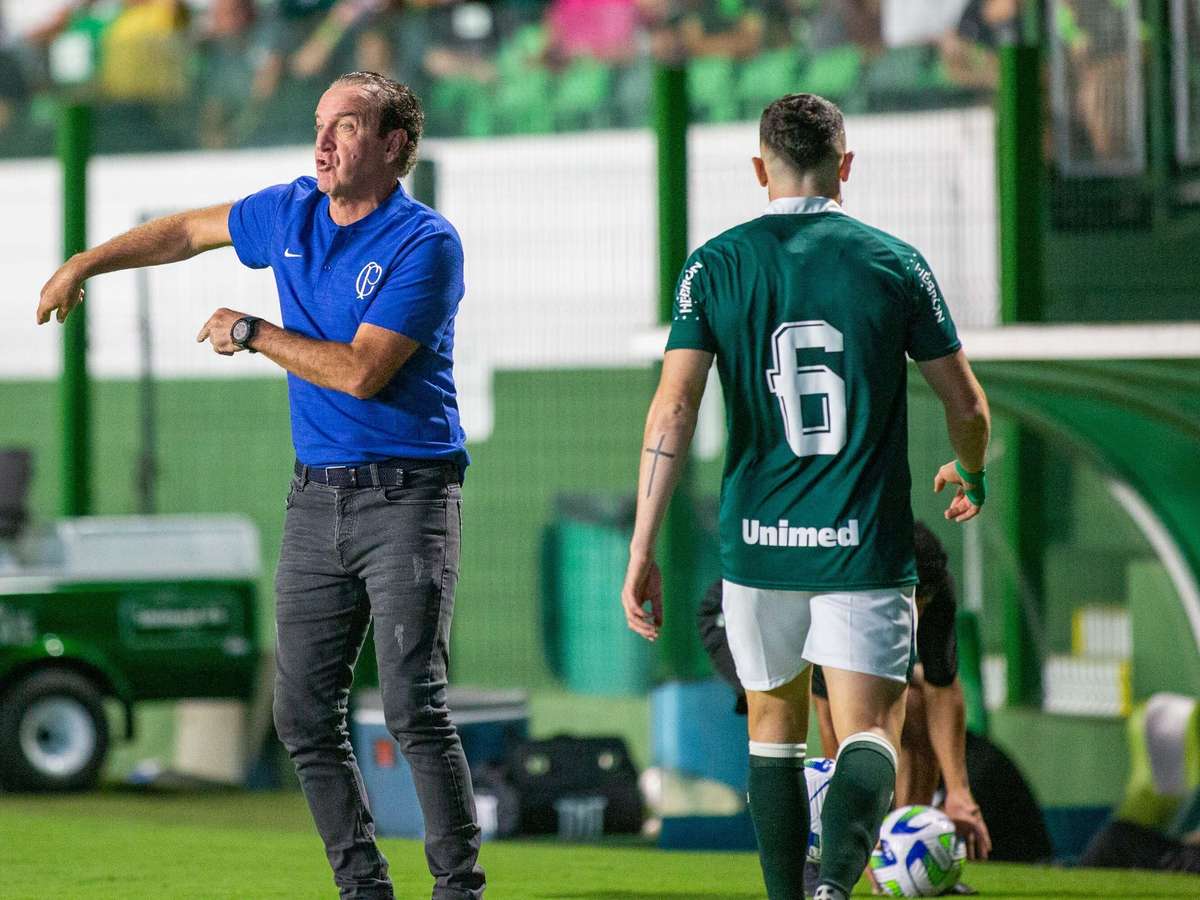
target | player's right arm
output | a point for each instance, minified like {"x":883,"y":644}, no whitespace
{"x":670,"y":425}
{"x":969,"y":425}
{"x":169,"y":239}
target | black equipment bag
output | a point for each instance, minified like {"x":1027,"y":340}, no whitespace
{"x":563,"y":767}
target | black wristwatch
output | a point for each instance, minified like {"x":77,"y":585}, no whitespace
{"x":243,"y":332}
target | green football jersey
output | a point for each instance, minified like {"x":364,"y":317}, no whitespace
{"x":810,"y":314}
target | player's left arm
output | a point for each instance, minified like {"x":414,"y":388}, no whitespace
{"x":670,"y":425}
{"x":360,"y":368}
{"x":945,"y":711}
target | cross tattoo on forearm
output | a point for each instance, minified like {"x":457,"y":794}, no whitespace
{"x":656,"y":452}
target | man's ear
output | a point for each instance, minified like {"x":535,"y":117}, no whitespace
{"x":760,"y":170}
{"x":844,"y":166}
{"x":396,"y":141}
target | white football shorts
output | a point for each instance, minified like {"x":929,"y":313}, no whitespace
{"x":774,"y":634}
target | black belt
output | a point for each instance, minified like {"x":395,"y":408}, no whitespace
{"x":387,"y":473}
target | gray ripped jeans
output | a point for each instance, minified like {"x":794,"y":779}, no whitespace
{"x":390,"y":554}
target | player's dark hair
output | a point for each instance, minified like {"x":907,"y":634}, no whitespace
{"x":932,"y":572}
{"x":805,"y":131}
{"x":397,"y":107}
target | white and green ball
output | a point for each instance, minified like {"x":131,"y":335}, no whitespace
{"x":919,"y":853}
{"x":817,"y":773}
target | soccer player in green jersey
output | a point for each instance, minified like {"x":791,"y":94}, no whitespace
{"x":810,"y":315}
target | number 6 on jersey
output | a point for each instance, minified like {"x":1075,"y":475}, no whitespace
{"x":791,"y":383}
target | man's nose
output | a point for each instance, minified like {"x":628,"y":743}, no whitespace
{"x":324,"y":137}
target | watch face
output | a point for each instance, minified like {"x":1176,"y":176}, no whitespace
{"x":240,"y":329}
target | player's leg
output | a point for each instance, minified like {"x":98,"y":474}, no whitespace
{"x":321,"y":621}
{"x":407,"y":543}
{"x":766,"y":631}
{"x":919,"y":773}
{"x":864,"y":642}
{"x":778,"y":793}
{"x":869,"y":710}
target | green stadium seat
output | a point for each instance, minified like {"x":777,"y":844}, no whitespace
{"x":460,"y":106}
{"x":583,"y":94}
{"x":711,"y":83}
{"x":909,"y":78}
{"x":766,"y":77}
{"x":522,"y":96}
{"x":833,"y":73}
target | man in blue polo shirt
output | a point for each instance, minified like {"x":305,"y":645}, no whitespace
{"x":369,"y":282}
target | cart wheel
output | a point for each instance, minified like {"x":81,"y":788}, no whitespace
{"x":53,"y":733}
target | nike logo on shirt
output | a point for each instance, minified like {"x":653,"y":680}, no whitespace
{"x":290,"y":255}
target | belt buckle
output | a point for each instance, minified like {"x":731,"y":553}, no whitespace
{"x":353,"y":472}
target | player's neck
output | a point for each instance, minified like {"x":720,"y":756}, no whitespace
{"x":790,"y":191}
{"x":805,"y":188}
{"x":346,"y":209}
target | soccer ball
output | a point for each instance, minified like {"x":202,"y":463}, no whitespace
{"x":919,"y":853}
{"x":817,"y":772}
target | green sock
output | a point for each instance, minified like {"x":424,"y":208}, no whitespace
{"x":859,"y":796}
{"x":779,"y":808}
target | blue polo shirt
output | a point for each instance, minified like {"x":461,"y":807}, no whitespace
{"x":400,"y":268}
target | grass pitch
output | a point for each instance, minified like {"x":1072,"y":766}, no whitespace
{"x":118,"y":845}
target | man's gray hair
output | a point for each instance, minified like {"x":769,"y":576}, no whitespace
{"x":396,"y":106}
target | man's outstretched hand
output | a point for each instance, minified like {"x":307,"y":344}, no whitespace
{"x":61,"y":294}
{"x":960,"y":509}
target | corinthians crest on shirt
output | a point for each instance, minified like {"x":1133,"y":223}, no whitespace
{"x":368,"y":278}
{"x":785,"y":534}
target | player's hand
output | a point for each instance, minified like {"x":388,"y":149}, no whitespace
{"x":61,"y":294}
{"x":216,"y":331}
{"x":643,"y":585}
{"x":960,"y":509}
{"x":964,"y":812}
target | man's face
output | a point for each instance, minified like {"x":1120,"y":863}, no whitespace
{"x":350,"y":154}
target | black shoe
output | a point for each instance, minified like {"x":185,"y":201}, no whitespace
{"x":962,"y":889}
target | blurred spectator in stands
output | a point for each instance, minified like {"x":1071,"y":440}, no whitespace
{"x":337,"y":30}
{"x":457,"y":44}
{"x":30,"y":29}
{"x":231,"y":49}
{"x":284,"y":98}
{"x":728,"y":28}
{"x":379,"y":43}
{"x":859,"y":22}
{"x":287,"y":29}
{"x":142,"y":79}
{"x":660,"y":37}
{"x":968,"y":51}
{"x":144,"y":53}
{"x":462,"y":39}
{"x":597,"y":29}
{"x":13,"y":90}
{"x":1096,"y":37}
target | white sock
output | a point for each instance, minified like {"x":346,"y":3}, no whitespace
{"x":778,"y":751}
